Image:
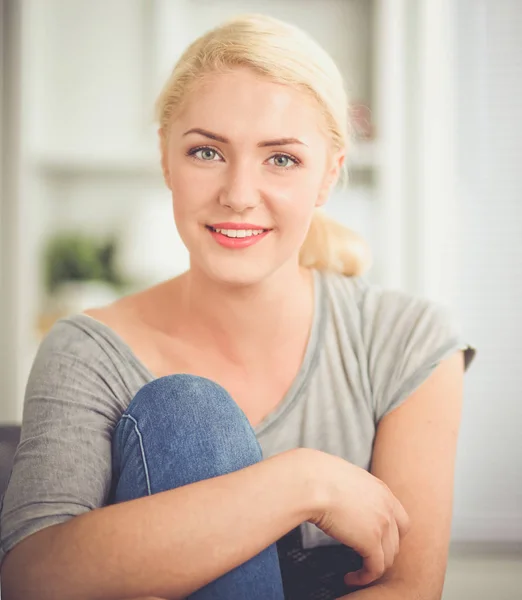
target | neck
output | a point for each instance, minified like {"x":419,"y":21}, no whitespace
{"x":244,"y":322}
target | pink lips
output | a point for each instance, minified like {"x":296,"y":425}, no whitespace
{"x":237,"y":242}
{"x":228,"y":225}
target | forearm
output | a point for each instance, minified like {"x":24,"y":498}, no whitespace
{"x":388,"y":590}
{"x":379,"y":591}
{"x":167,"y":545}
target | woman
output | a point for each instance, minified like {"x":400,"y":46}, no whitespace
{"x":146,"y":420}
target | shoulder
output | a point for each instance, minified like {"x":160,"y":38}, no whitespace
{"x":91,"y":334}
{"x":388,"y":313}
{"x":404,"y":336}
{"x":75,"y":336}
{"x":137,"y":316}
{"x":83,"y":358}
{"x":76,"y":344}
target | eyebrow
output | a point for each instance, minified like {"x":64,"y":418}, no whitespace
{"x":224,"y":140}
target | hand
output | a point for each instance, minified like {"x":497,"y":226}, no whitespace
{"x":357,"y":509}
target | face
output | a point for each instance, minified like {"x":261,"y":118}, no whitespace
{"x":247,"y":162}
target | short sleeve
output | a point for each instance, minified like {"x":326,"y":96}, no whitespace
{"x":406,"y":338}
{"x":62,"y":467}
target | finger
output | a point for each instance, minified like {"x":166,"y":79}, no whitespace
{"x":396,"y":539}
{"x":373,"y":568}
{"x":390,"y":544}
{"x":401,"y":517}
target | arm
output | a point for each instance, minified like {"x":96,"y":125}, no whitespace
{"x":126,"y":550}
{"x":414,"y":454}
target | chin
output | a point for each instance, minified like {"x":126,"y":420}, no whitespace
{"x":236,"y":271}
{"x":242,"y":267}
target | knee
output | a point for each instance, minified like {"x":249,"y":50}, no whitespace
{"x":188,"y":401}
{"x":195,"y":421}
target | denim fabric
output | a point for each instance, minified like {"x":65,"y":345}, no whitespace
{"x":181,"y":429}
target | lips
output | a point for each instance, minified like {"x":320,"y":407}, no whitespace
{"x":231,"y":225}
{"x":237,"y":235}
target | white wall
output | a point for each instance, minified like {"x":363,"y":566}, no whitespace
{"x":488,"y":296}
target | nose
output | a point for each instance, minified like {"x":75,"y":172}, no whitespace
{"x":239,"y":191}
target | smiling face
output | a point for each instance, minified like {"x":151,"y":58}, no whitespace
{"x":247,"y":161}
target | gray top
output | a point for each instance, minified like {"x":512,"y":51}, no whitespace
{"x":369,"y":349}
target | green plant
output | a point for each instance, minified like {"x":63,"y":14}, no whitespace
{"x":79,"y":257}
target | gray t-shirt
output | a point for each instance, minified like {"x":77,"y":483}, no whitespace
{"x":368,"y":350}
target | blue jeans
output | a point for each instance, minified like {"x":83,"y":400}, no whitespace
{"x":181,"y":429}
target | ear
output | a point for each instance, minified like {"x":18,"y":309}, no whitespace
{"x":163,"y":144}
{"x":331,"y":177}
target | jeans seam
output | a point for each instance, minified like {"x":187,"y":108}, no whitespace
{"x":142,"y":449}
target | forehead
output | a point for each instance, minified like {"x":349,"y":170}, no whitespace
{"x":241,"y":104}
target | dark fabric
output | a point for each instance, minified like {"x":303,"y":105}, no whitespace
{"x":315,"y":573}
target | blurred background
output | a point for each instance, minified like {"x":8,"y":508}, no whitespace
{"x":435,"y":187}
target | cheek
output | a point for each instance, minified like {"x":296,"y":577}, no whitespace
{"x":189,"y":191}
{"x":296,"y":197}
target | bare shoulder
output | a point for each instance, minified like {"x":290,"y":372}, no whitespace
{"x":138,"y":312}
{"x":142,"y":321}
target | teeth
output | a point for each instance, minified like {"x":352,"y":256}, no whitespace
{"x":240,"y":233}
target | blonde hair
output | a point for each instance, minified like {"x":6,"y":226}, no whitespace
{"x":287,"y":55}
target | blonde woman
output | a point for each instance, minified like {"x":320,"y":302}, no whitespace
{"x":266,"y":425}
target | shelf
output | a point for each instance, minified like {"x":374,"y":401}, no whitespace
{"x":94,"y":164}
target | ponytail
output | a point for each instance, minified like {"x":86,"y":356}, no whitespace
{"x":330,"y":246}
